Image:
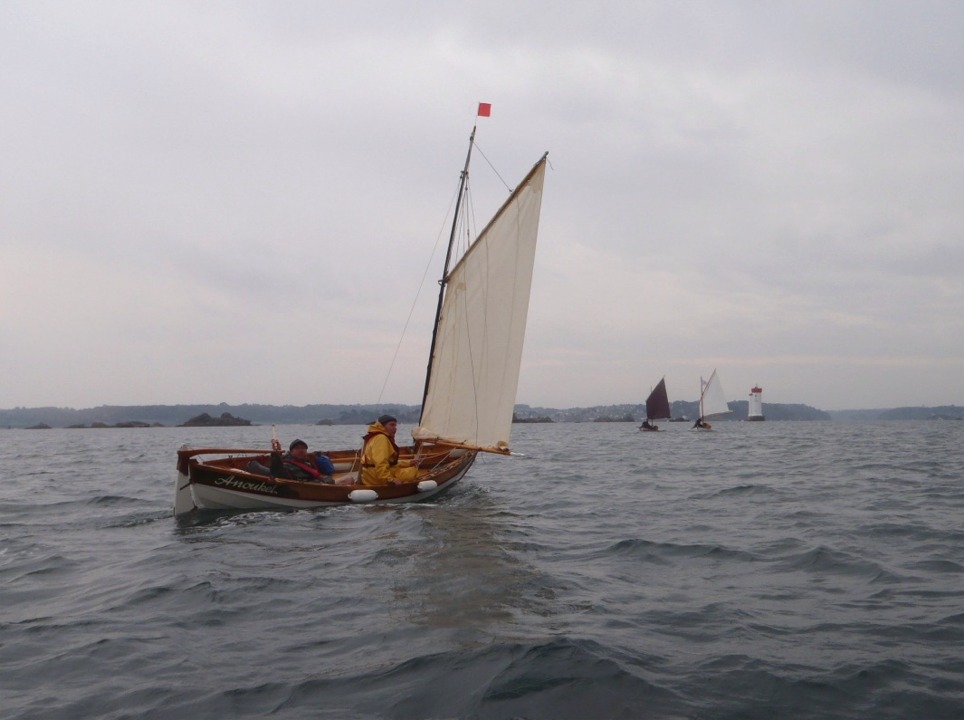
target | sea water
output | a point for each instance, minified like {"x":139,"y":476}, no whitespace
{"x":762,"y":570}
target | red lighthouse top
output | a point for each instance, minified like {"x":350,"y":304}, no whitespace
{"x":756,"y":390}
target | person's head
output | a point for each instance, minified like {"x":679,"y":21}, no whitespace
{"x":298,"y":449}
{"x":390,"y":423}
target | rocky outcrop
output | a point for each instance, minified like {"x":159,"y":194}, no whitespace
{"x":205,"y":420}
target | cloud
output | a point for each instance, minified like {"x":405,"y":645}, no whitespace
{"x":246,"y":203}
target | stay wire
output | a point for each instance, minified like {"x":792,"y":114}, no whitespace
{"x":469,"y":223}
{"x":418,"y":293}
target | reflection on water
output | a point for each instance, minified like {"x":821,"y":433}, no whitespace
{"x":468,"y":574}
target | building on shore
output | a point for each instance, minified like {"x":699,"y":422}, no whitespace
{"x":755,"y":409}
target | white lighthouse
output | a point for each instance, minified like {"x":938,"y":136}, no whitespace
{"x":755,"y":409}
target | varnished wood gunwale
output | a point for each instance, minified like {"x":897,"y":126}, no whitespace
{"x":230,"y":474}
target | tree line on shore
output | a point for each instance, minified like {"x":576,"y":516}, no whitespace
{"x":224,"y":414}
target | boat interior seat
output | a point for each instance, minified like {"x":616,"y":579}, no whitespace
{"x":257,"y":468}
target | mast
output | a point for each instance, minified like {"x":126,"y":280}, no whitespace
{"x":445,"y":270}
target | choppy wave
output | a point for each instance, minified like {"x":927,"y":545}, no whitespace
{"x":766,"y":570}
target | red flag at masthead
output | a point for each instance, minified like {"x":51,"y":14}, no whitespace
{"x":485,"y":109}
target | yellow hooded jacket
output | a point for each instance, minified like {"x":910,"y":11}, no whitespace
{"x":380,"y":463}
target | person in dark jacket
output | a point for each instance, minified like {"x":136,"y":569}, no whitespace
{"x":299,"y":466}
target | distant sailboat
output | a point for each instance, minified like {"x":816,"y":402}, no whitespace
{"x":712,"y":401}
{"x":657,"y":406}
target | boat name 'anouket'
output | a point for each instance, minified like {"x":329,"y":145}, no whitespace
{"x":233,"y":482}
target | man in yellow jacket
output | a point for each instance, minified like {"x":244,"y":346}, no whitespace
{"x":380,"y":463}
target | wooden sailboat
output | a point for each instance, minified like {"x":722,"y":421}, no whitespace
{"x":712,"y":401}
{"x":657,"y":407}
{"x":470,"y":386}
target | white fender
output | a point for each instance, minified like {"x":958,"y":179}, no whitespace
{"x":362,"y":496}
{"x":427,"y":485}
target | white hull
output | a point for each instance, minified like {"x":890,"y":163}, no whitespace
{"x":190,"y":496}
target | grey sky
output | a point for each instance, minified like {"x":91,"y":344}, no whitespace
{"x":238,"y":201}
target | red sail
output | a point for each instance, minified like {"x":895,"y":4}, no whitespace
{"x":657,"y":404}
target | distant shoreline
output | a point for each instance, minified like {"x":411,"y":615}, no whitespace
{"x":118,"y":416}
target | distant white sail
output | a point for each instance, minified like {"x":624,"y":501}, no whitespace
{"x":712,"y":400}
{"x":478,"y":352}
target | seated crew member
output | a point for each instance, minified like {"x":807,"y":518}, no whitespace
{"x":701,"y":423}
{"x":647,"y":425}
{"x":299,"y":466}
{"x":380,"y":463}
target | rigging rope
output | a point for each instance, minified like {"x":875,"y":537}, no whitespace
{"x":418,"y":293}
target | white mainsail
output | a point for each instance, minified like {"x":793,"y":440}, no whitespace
{"x":712,"y":401}
{"x":478,"y":351}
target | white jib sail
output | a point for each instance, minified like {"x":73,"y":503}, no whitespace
{"x":712,"y":401}
{"x":478,"y":350}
